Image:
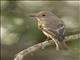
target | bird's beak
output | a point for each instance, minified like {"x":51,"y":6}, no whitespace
{"x":33,"y":15}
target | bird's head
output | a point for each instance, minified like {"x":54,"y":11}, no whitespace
{"x":42,"y":14}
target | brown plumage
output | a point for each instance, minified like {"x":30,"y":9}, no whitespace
{"x":52,"y":27}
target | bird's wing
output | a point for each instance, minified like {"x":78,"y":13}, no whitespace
{"x":59,"y":32}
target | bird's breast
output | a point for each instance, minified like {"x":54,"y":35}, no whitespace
{"x":42,"y":22}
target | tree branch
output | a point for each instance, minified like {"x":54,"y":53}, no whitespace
{"x":33,"y":48}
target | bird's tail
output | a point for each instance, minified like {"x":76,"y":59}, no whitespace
{"x":61,"y":45}
{"x":58,"y":40}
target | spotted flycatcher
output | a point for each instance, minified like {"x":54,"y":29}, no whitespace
{"x":52,"y":27}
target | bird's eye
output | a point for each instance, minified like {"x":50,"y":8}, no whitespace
{"x":43,"y":15}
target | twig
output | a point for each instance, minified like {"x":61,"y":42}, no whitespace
{"x":33,"y":48}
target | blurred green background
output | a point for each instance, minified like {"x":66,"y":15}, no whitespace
{"x":19,"y":30}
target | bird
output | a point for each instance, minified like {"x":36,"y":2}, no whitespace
{"x":52,"y":27}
